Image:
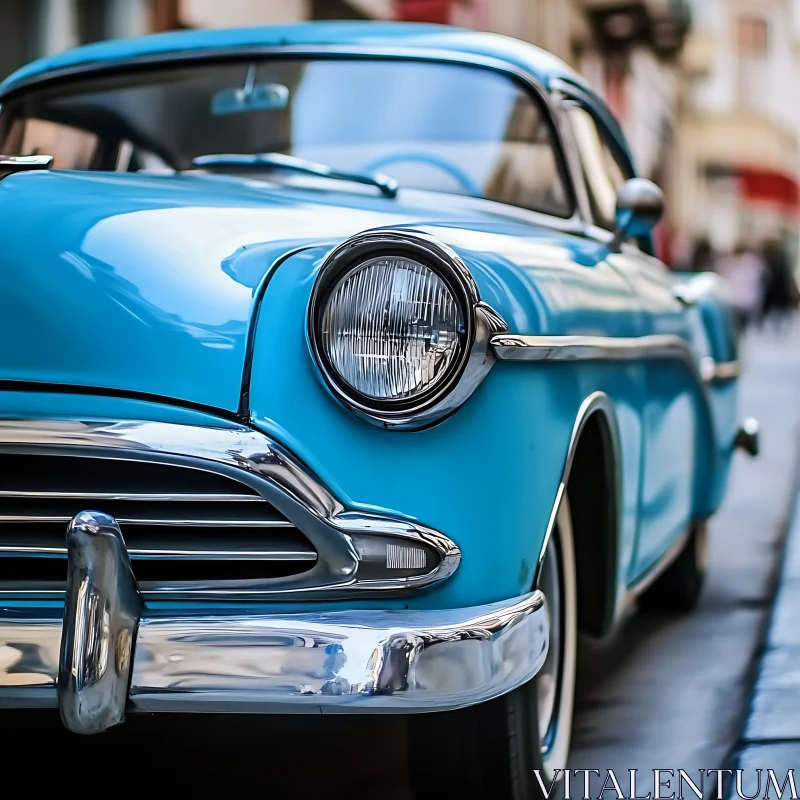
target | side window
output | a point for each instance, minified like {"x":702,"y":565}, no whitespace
{"x":601,"y":170}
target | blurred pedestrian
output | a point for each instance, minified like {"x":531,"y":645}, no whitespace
{"x":781,"y":293}
{"x":744,"y":272}
{"x":703,"y":257}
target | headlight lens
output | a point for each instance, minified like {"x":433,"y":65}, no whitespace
{"x":391,"y":328}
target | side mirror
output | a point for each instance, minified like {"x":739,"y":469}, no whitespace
{"x":640,"y":204}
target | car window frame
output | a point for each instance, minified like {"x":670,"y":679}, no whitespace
{"x":569,"y":92}
{"x":608,"y":143}
{"x":573,"y":220}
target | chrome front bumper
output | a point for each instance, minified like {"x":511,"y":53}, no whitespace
{"x":110,"y":655}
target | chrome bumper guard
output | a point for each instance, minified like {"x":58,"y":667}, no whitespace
{"x":109,"y":657}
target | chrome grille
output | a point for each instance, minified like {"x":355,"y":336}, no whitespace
{"x":181,"y":524}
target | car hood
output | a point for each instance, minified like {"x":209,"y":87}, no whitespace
{"x":148,"y":284}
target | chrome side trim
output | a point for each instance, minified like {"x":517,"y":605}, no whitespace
{"x":101,"y":613}
{"x":590,"y":348}
{"x":257,"y":461}
{"x":513,"y":347}
{"x":481,"y":322}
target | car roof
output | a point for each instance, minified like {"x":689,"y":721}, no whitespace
{"x":388,"y":35}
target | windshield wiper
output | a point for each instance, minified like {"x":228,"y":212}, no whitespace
{"x":388,"y":186}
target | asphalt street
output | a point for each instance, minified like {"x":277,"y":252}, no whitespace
{"x":664,"y":692}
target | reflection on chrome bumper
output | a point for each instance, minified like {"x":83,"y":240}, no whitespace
{"x":339,"y":661}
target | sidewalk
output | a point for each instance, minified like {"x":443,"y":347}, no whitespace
{"x":772,"y":734}
{"x":771,"y":738}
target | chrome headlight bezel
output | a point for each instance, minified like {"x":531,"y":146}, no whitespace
{"x":474,"y":357}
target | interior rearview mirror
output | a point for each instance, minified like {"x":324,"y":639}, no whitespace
{"x":640,"y":204}
{"x":258,"y":97}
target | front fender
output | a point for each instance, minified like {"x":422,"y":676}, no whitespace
{"x":487,"y":477}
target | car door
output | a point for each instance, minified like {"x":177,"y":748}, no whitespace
{"x":668,"y":407}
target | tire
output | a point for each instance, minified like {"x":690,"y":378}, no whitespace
{"x":679,"y":587}
{"x":492,"y":749}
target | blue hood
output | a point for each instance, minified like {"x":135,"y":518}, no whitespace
{"x":148,"y":284}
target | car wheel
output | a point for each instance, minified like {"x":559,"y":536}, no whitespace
{"x":679,"y":587}
{"x":494,"y":749}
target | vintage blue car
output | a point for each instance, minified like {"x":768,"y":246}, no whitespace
{"x":340,"y":354}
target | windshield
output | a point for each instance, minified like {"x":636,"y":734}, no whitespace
{"x":437,"y":126}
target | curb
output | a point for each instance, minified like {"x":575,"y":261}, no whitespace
{"x":771,"y":737}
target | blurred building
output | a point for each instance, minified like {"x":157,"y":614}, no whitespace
{"x":628,"y":49}
{"x":739,"y":134}
{"x":31,"y":28}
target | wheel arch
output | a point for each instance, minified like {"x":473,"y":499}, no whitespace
{"x":592,"y":480}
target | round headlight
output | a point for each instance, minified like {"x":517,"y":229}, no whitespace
{"x":397,"y":329}
{"x":391,"y":329}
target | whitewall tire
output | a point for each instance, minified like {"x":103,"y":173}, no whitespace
{"x":495,"y":749}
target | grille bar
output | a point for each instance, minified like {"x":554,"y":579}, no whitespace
{"x":172,"y":553}
{"x":217,"y":514}
{"x":172,"y":541}
{"x":200,"y":523}
{"x":181,"y":524}
{"x":152,"y":497}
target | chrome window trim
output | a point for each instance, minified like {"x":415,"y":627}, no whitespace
{"x":256,"y":460}
{"x":481,"y":321}
{"x":577,"y":94}
{"x":572,"y":157}
{"x":574,"y":223}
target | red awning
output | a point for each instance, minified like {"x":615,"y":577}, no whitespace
{"x":440,"y":11}
{"x":768,"y":186}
